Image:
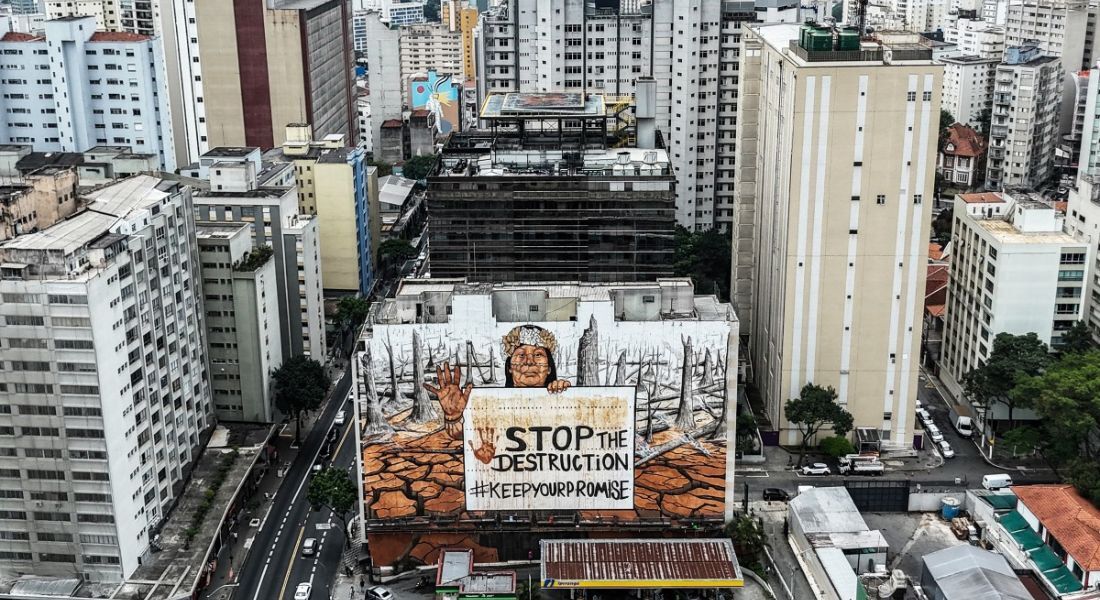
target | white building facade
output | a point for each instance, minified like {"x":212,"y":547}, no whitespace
{"x":691,"y":50}
{"x":78,"y":88}
{"x":968,"y":86}
{"x":102,"y":409}
{"x":241,"y":189}
{"x":1023,"y":133}
{"x":1013,"y":270}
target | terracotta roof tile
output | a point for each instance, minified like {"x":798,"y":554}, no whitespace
{"x":117,"y":36}
{"x":965,"y":140}
{"x":16,"y":36}
{"x":1071,"y":519}
{"x":391,"y":123}
{"x":982,"y":197}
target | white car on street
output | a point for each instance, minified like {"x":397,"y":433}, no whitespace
{"x":946,"y":450}
{"x":341,"y":418}
{"x":816,"y":469}
{"x":934,"y":433}
{"x":302,"y":591}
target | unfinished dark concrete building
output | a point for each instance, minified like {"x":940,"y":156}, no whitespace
{"x":557,"y":186}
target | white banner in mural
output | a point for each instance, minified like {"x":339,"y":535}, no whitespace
{"x":530,"y":449}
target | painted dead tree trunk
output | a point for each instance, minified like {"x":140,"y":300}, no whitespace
{"x":587,"y":358}
{"x":374,"y":422}
{"x":394,"y":394}
{"x":423,"y":409}
{"x":708,"y":370}
{"x":685,"y":413}
{"x":620,"y":370}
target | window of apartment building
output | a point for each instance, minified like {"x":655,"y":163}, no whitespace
{"x":51,"y":516}
{"x":911,"y":96}
{"x":880,"y":199}
{"x":94,"y":518}
{"x":44,"y":536}
{"x":42,"y":453}
{"x":58,"y":558}
{"x":1071,"y":275}
{"x":1073,"y":258}
{"x":25,"y":321}
{"x":50,"y":496}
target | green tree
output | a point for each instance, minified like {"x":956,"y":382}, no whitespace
{"x":384,"y":168}
{"x":1022,"y":440}
{"x":814,"y":408}
{"x":985,"y":121}
{"x":746,"y":431}
{"x":1012,"y":358}
{"x":836,"y":446}
{"x":334,"y":490}
{"x":351,"y":311}
{"x":431,"y":11}
{"x":705,"y":257}
{"x":1077,"y":339}
{"x":418,"y":167}
{"x":748,"y":540}
{"x":396,"y":250}
{"x":300,"y":386}
{"x":1066,"y":397}
{"x":941,"y":227}
{"x":946,"y":121}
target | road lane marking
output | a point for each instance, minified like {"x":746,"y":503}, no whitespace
{"x":290,"y":564}
{"x":262,"y":573}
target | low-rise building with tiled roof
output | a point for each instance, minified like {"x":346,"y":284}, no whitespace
{"x":1068,"y":523}
{"x":961,"y":159}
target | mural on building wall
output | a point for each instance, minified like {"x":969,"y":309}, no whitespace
{"x":443,"y":421}
{"x":439,"y":95}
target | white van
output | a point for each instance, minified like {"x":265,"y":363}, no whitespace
{"x":996,"y":481}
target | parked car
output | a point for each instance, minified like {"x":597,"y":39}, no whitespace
{"x":934,"y":433}
{"x":379,"y":593}
{"x":776,"y":495}
{"x":996,"y":481}
{"x":309,"y":547}
{"x":317,"y":468}
{"x":816,"y":469}
{"x":924,"y":415}
{"x":946,"y":450}
{"x":302,"y":591}
{"x":341,"y":418}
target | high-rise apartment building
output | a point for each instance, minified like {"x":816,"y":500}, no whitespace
{"x":235,"y":185}
{"x":1024,"y":128}
{"x":106,"y":12}
{"x":1013,"y":270}
{"x":463,"y":18}
{"x":837,"y":139}
{"x":1083,"y":209}
{"x":689,"y":48}
{"x":275,"y":62}
{"x":402,"y":12}
{"x":1060,"y":28}
{"x":77,"y":88}
{"x":336,"y":186}
{"x":428,"y":47}
{"x":387,"y":98}
{"x":552,"y":204}
{"x":968,"y":86}
{"x":107,"y":394}
{"x":244,"y":339}
{"x":35,"y":200}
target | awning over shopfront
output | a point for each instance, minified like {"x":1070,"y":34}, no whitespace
{"x":640,"y":564}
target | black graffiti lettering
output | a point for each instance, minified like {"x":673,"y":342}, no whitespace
{"x":539,"y":431}
{"x":513,"y":435}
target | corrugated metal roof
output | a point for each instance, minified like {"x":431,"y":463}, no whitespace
{"x":627,"y":560}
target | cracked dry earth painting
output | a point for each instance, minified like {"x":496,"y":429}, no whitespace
{"x":615,"y":422}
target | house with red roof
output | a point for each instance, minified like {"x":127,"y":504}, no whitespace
{"x":1068,"y":525}
{"x":961,"y":160}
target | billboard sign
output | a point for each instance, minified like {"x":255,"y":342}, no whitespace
{"x":530,"y":449}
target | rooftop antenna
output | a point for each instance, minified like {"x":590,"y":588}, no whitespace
{"x":861,"y":18}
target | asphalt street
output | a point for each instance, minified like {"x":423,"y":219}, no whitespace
{"x":967,"y":466}
{"x":275,"y":567}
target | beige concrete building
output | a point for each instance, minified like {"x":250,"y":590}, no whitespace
{"x":242,"y":321}
{"x":106,"y":12}
{"x":429,"y":47}
{"x":463,"y":19}
{"x":837,"y":152}
{"x":336,"y":186}
{"x":37,"y":200}
{"x":275,"y":63}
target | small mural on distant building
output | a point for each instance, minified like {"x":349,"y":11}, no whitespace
{"x":439,"y":95}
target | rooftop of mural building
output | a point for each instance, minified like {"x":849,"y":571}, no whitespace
{"x":437,"y":300}
{"x":562,"y":412}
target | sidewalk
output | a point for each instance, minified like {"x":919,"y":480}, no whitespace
{"x":232,"y":556}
